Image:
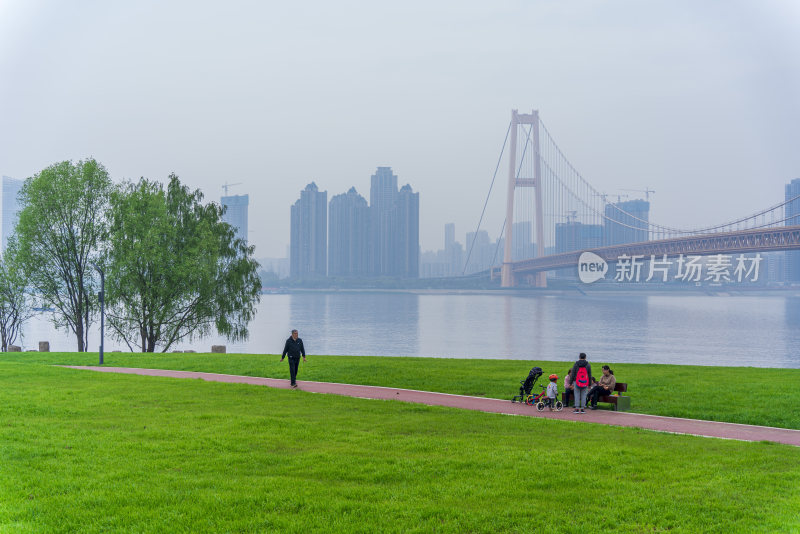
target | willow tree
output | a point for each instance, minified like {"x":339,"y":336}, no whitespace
{"x":174,"y":269}
{"x":61,"y":224}
{"x":15,"y":303}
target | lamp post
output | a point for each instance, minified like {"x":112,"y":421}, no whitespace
{"x":101,"y":297}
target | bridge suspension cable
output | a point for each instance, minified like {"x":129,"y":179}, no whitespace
{"x":480,"y":220}
{"x":652,"y":228}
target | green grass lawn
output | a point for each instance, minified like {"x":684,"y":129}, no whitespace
{"x":96,"y":452}
{"x":749,"y":395}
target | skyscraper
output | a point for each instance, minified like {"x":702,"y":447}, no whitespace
{"x":522,"y":247}
{"x":574,"y":235}
{"x":382,"y":193}
{"x":406,"y":233}
{"x":454,"y":252}
{"x":792,"y":214}
{"x":348,"y":235}
{"x":479,"y":251}
{"x":236,"y":213}
{"x":449,"y":236}
{"x":394,"y":227}
{"x":626,"y":222}
{"x":309,"y":232}
{"x":11,"y":188}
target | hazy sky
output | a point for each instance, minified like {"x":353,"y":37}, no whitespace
{"x":697,"y":100}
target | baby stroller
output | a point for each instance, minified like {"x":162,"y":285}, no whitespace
{"x":526,"y":386}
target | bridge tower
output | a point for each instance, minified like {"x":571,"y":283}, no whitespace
{"x":517,"y":119}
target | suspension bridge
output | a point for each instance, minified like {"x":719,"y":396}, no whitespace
{"x":571,"y":217}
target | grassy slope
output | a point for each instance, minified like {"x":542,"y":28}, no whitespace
{"x":94,"y":452}
{"x":732,"y":394}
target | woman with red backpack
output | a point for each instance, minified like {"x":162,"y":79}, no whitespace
{"x":581,"y":376}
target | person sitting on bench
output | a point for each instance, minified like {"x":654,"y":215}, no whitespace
{"x":605,"y":386}
{"x":569,"y":390}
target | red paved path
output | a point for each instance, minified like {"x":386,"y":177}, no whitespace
{"x":650,"y":422}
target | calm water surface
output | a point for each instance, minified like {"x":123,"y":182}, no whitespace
{"x":761,"y":331}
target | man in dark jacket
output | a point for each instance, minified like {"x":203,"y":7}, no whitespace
{"x":294,"y":348}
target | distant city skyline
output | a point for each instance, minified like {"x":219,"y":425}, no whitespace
{"x":449,"y":261}
{"x":379,"y":239}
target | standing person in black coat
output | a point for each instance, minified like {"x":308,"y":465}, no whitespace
{"x":294,"y":348}
{"x":581,"y":376}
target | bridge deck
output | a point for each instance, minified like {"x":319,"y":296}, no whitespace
{"x":761,"y":240}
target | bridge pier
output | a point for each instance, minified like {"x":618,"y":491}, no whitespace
{"x":536,"y":279}
{"x":509,"y":279}
{"x":507,"y":276}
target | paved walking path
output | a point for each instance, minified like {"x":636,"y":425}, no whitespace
{"x":651,"y":422}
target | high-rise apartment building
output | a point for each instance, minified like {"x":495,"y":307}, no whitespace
{"x":454,"y":252}
{"x":522,"y":247}
{"x":236,"y":213}
{"x":406,"y":234}
{"x":309,"y":232}
{"x":382,"y":193}
{"x":449,"y":236}
{"x":479,"y":251}
{"x":394,"y":227}
{"x":577,"y":236}
{"x":348,"y":235}
{"x":444,"y":262}
{"x":11,"y":188}
{"x":773,"y":266}
{"x":626,"y":222}
{"x":792,"y":214}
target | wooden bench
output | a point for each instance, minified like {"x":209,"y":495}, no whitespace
{"x":620,"y":402}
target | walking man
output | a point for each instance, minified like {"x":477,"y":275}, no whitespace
{"x":294,"y":348}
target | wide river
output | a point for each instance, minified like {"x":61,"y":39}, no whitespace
{"x":760,"y":331}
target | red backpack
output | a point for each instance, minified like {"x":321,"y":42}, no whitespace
{"x":582,"y":377}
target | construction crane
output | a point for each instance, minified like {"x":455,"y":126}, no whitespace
{"x":646,"y":192}
{"x":227,"y":185}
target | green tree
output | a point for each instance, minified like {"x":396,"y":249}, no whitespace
{"x":61,"y":224}
{"x":174,"y":270}
{"x":15,"y":303}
